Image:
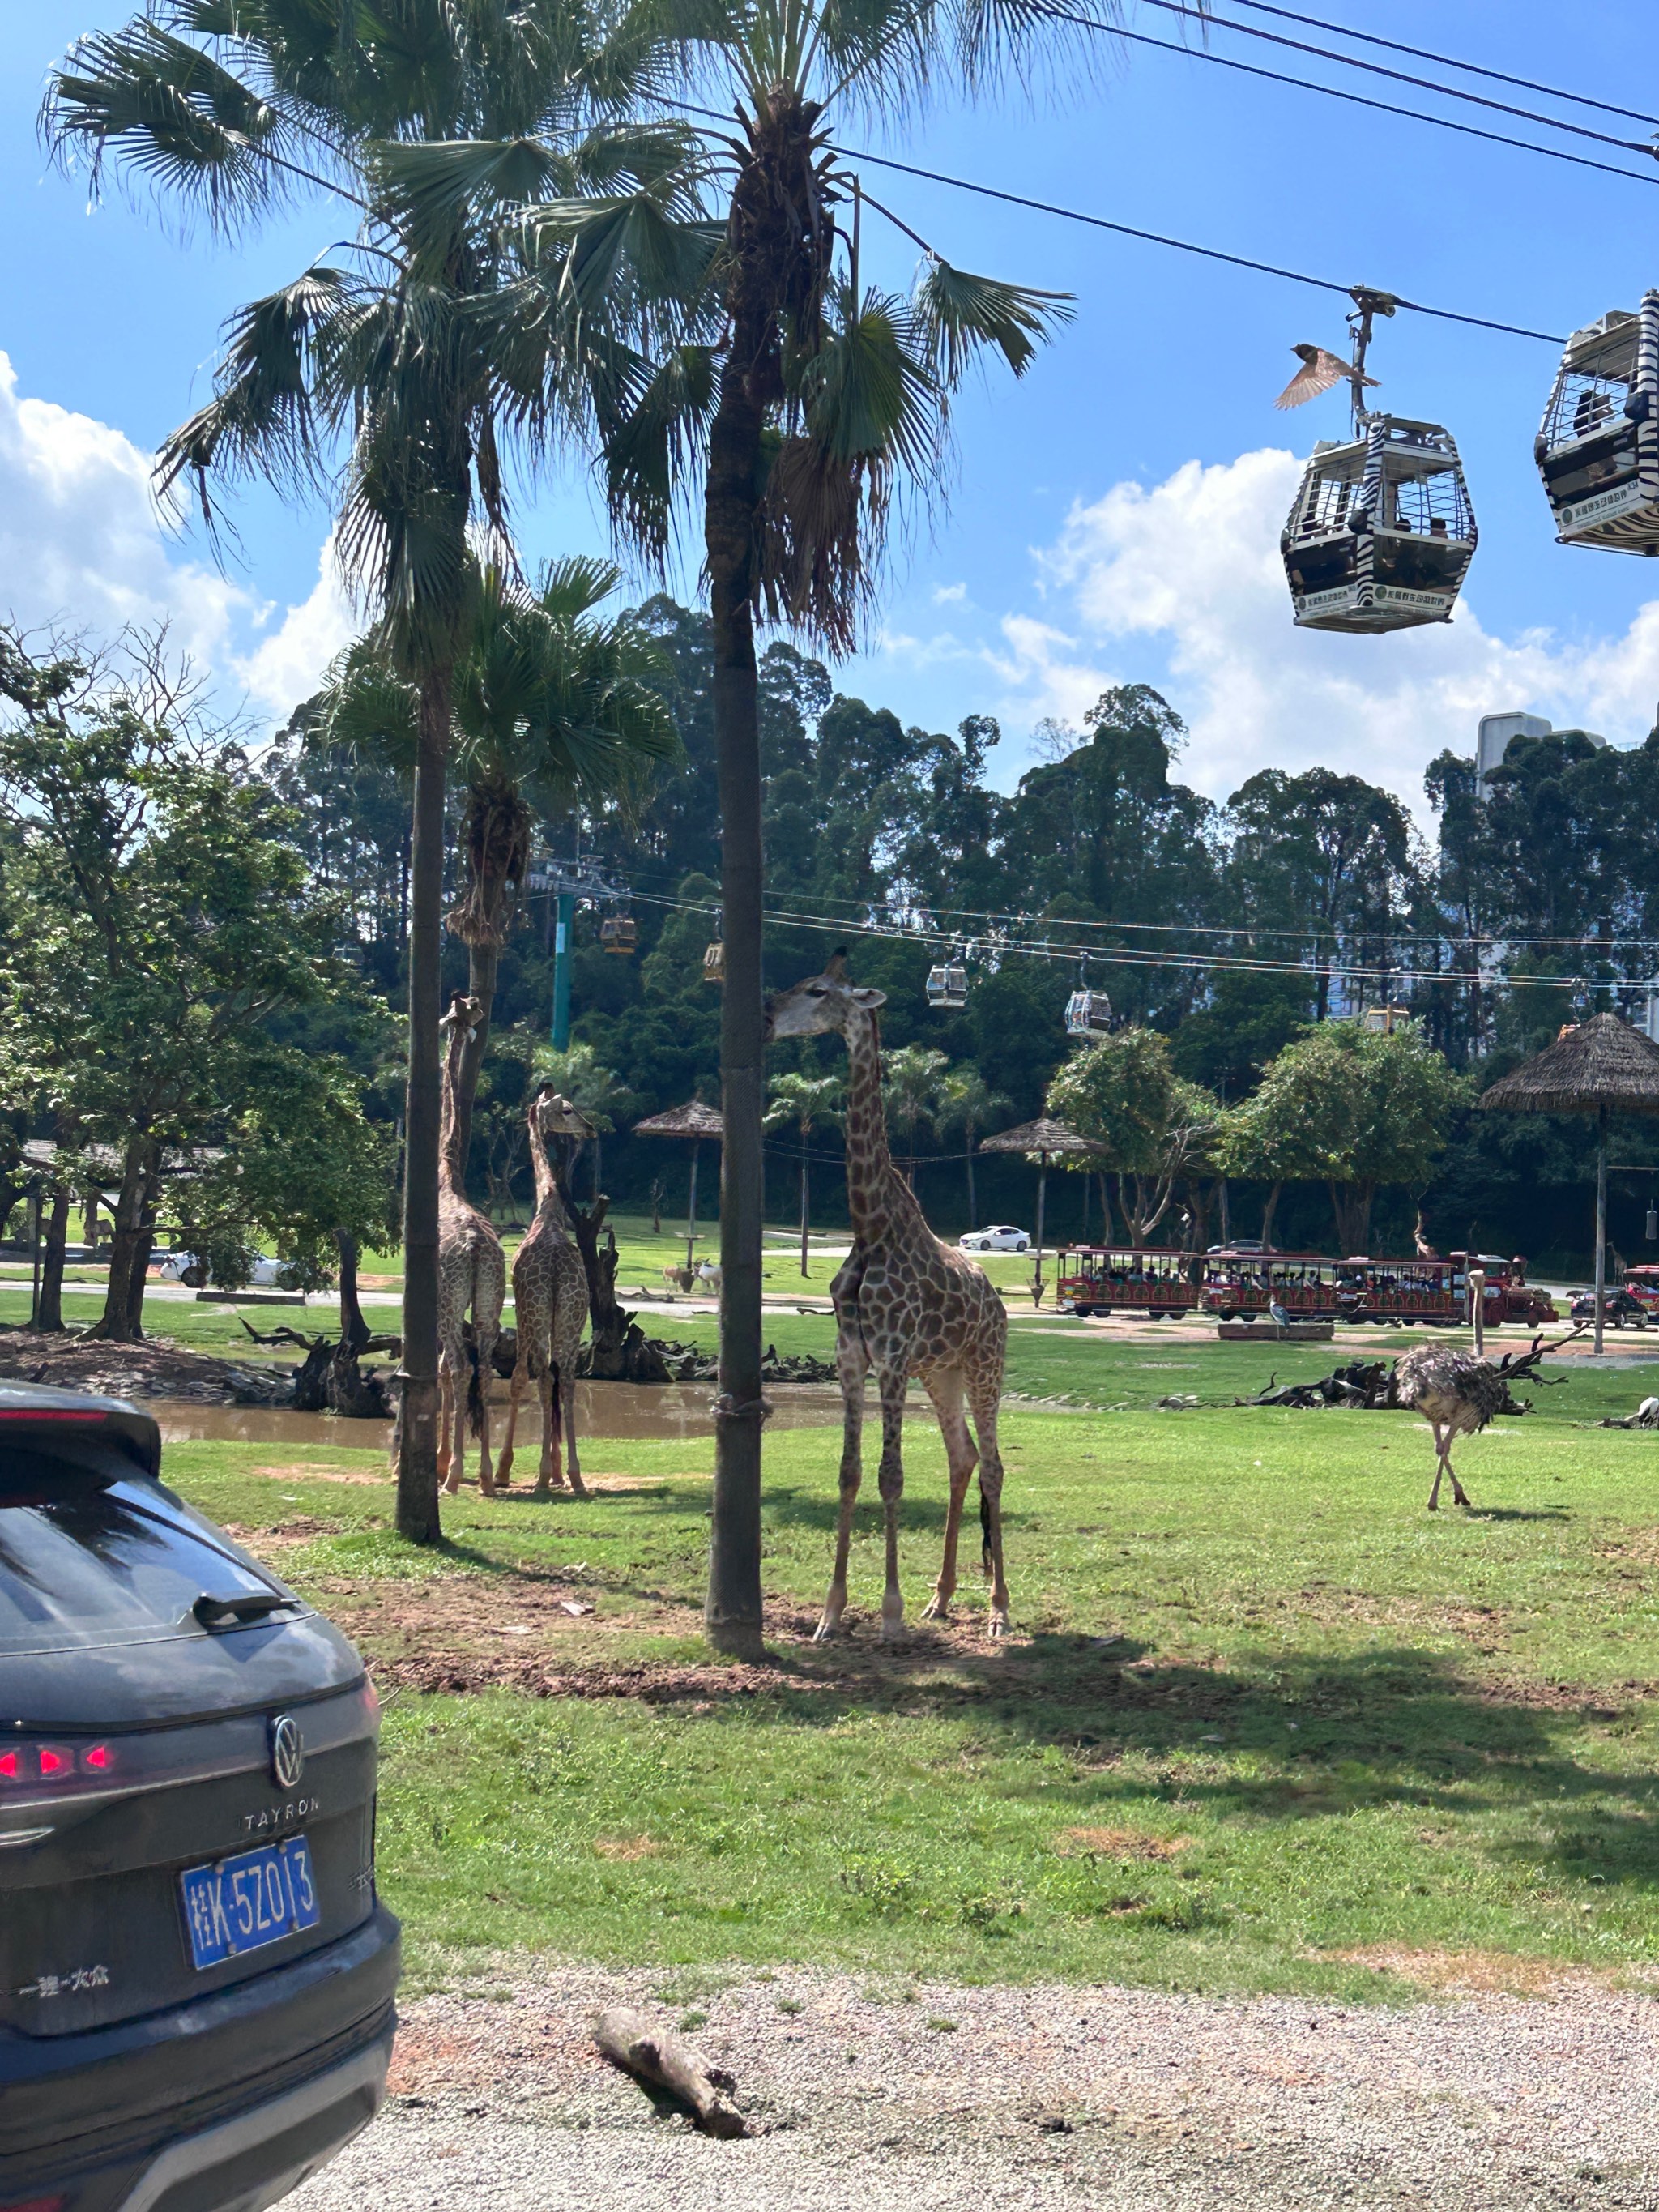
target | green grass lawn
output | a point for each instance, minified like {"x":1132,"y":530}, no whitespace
{"x":1264,"y":1723}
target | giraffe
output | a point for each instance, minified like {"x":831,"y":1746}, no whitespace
{"x":471,"y":1272}
{"x":549,"y":1298}
{"x":906,"y":1305}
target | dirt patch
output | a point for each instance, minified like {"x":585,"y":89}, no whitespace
{"x":154,"y":1369}
{"x":1477,"y":1973}
{"x":300,"y":1472}
{"x":304,"y":1528}
{"x":1120,"y":1843}
{"x":627,"y":1848}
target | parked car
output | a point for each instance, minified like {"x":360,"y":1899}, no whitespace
{"x":1618,"y":1305}
{"x":197,"y":1977}
{"x":999,"y":1239}
{"x":186,"y":1268}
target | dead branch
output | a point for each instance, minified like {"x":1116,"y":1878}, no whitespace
{"x":653,"y":2054}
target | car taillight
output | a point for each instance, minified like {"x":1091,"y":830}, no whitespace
{"x":38,"y":2204}
{"x":33,"y":1763}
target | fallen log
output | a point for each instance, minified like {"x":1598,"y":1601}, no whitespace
{"x":654,"y":2054}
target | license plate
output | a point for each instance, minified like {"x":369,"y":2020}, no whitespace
{"x":238,"y":1905}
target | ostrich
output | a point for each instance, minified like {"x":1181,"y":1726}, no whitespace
{"x":1458,"y":1395}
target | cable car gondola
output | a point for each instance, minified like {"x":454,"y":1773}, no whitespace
{"x":1597,"y":448}
{"x":1088,"y":1014}
{"x":947,"y":983}
{"x":1382,"y":531}
{"x":619,"y":933}
{"x":714,"y":955}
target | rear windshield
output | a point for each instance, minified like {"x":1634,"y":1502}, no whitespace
{"x":105,"y":1563}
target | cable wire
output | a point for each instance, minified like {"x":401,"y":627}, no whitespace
{"x":1332,"y":92}
{"x":1398,"y":76}
{"x":1447,"y":61}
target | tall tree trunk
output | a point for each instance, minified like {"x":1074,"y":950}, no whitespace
{"x":49,"y":1314}
{"x":1351,"y":1203}
{"x":130,"y":1240}
{"x":733,"y":1609}
{"x":973,"y":1198}
{"x":416,"y":1445}
{"x":354,"y":1329}
{"x":481,"y":963}
{"x":1270,"y":1207}
{"x":1105,"y":1211}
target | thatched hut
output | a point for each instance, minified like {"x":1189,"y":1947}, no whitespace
{"x":1040,"y":1140}
{"x":1603,"y":1066}
{"x":699,"y":1125}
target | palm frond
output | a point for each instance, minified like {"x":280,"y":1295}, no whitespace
{"x":958,"y":316}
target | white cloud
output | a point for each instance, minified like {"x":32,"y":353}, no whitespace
{"x":946,"y":595}
{"x":82,"y":545}
{"x":286,"y":666}
{"x":84,"y":548}
{"x":1193,"y":563}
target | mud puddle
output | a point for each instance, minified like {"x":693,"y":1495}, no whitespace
{"x":669,"y":1412}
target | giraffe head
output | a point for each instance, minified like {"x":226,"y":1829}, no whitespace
{"x":555,"y":1116}
{"x":821,"y":1004}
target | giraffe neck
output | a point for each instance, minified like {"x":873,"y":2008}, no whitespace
{"x":449,"y":1139}
{"x":550,"y":1199}
{"x":878,"y":1196}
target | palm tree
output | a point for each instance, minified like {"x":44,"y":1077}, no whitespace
{"x":806,"y":1100}
{"x":910,"y":1091}
{"x":830,"y":398}
{"x":461,"y":325}
{"x":553,"y":706}
{"x":966,"y":1101}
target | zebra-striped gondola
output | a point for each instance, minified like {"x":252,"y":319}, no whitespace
{"x":1597,"y":448}
{"x":1382,"y":531}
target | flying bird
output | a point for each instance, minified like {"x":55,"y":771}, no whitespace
{"x":1319,"y":371}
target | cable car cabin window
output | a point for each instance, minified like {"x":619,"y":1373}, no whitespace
{"x":1597,"y":448}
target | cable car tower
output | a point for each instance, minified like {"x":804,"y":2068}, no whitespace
{"x":575,"y":883}
{"x":1382,"y":531}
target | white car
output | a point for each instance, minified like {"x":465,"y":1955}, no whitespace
{"x":1002,"y":1238}
{"x":184,"y":1267}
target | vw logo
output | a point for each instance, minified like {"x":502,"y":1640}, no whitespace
{"x":287,"y":1751}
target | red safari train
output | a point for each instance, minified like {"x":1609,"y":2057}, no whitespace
{"x":1103,"y":1279}
{"x":1362,"y":1289}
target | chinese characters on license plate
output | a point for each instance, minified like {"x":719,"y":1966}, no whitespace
{"x":240,"y":1905}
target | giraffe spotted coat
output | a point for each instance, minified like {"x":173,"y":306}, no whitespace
{"x":549,"y":1302}
{"x":471,"y":1273}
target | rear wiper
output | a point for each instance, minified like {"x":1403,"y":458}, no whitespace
{"x":238,"y":1612}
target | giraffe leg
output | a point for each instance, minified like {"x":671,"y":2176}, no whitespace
{"x":449,"y":1443}
{"x":945,"y":1391}
{"x":891,"y":1476}
{"x":515,"y":1392}
{"x":568,"y":1405}
{"x":551,"y":1476}
{"x":983,"y":1398}
{"x":478,"y":1407}
{"x":851,"y":1366}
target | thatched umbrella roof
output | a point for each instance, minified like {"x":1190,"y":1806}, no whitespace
{"x":695,"y":1120}
{"x":1038,"y":1137}
{"x":1603,"y":1063}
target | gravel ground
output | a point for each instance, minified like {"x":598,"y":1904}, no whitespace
{"x":1018,"y":2098}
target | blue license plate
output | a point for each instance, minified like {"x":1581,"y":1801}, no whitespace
{"x":240,"y":1905}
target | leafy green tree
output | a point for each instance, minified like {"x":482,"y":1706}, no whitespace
{"x":1358,"y":1109}
{"x":965,"y":1100}
{"x":167,"y":926}
{"x":512,"y":239}
{"x":1153,"y":1128}
{"x":553,"y":706}
{"x":807,"y":1101}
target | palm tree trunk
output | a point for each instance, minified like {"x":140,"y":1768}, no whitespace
{"x":732,"y":1610}
{"x":973,"y":1200}
{"x":416,"y":1446}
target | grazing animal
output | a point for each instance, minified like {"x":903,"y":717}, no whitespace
{"x":551,"y":1303}
{"x":907,"y":1305}
{"x":471,"y":1272}
{"x":1319,"y":371}
{"x":1458,"y":1394}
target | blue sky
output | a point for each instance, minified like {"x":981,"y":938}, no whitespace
{"x":1114,"y":518}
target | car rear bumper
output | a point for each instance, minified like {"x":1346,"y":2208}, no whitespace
{"x":221,"y":2105}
